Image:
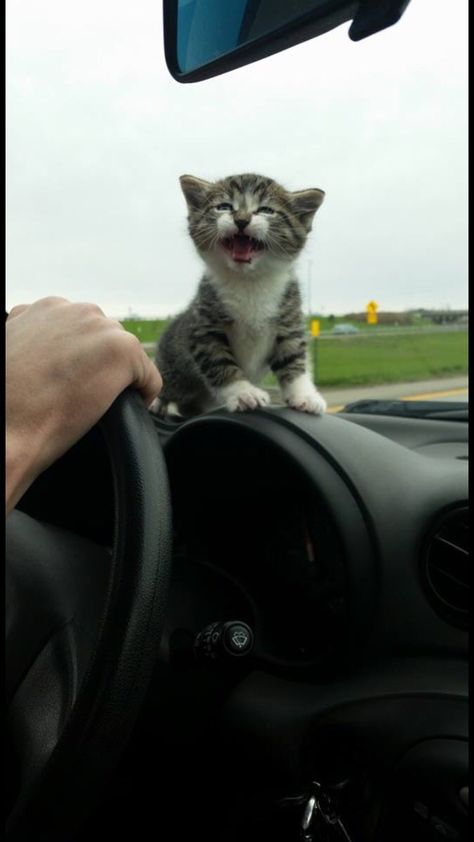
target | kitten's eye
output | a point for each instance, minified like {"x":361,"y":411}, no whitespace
{"x":266,"y":209}
{"x":224,"y":206}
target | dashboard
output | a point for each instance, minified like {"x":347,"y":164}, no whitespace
{"x":317,"y":531}
{"x":249,"y":523}
{"x":342,"y":543}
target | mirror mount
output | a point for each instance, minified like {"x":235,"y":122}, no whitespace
{"x":375,"y":15}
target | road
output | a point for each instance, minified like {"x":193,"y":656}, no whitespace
{"x":446,"y":389}
{"x":364,"y":333}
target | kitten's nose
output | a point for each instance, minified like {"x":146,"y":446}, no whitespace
{"x":241,"y":223}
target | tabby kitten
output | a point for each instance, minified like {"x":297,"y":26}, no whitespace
{"x":246,"y":316}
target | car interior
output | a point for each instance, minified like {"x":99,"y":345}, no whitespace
{"x":244,"y":626}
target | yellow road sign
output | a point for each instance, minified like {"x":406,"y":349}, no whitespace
{"x":315,"y":327}
{"x":372,"y":307}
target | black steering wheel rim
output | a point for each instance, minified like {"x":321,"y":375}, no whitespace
{"x":98,"y":728}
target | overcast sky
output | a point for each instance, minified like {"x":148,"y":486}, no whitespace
{"x":98,"y":133}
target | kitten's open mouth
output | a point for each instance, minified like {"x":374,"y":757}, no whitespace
{"x":242,"y":248}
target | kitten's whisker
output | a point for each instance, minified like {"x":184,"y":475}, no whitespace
{"x":276,"y":247}
{"x":205,"y":239}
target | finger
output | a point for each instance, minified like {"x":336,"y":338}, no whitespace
{"x":40,"y":304}
{"x":51,"y":301}
{"x":149,"y":380}
{"x":89,"y":308}
{"x":17,"y":311}
{"x":117,"y":323}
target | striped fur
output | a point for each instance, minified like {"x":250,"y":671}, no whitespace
{"x":246,"y":316}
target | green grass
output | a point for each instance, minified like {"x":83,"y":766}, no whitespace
{"x":389,"y":359}
{"x":147,"y":330}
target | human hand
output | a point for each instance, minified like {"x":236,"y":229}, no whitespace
{"x":65,"y":365}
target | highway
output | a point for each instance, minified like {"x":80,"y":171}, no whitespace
{"x":445,"y":389}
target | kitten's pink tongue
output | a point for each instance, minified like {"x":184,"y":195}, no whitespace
{"x":241,"y":249}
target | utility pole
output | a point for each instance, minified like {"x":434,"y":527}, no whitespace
{"x":313,"y":327}
{"x":309,"y":288}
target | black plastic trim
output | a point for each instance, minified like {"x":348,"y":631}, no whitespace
{"x":368,"y":17}
{"x":303,"y":29}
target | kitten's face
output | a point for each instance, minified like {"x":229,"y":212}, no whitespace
{"x":246,"y":222}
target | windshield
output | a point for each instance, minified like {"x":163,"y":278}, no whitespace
{"x":98,"y":134}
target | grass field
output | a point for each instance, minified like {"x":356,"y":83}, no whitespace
{"x":389,"y":359}
{"x":147,"y":330}
{"x":383,"y":358}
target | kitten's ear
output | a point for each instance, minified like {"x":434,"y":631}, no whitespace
{"x":305,"y":204}
{"x":195,"y":190}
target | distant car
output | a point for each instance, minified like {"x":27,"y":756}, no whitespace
{"x":345,"y":328}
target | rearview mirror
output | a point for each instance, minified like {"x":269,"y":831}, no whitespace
{"x":205,"y":38}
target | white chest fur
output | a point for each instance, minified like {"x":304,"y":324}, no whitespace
{"x":251,"y":347}
{"x":253,"y":304}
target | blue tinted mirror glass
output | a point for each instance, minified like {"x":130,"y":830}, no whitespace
{"x":209,"y":29}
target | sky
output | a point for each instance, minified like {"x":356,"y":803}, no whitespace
{"x":98,"y":134}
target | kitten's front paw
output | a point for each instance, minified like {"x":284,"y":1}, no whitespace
{"x":303,"y":395}
{"x":241,"y":396}
{"x":314,"y":403}
{"x":156,"y":407}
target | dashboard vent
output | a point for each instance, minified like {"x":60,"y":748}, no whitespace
{"x":446,"y":567}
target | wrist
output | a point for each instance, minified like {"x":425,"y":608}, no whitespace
{"x":21,"y":467}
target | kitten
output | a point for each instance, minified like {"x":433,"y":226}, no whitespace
{"x":246,"y":317}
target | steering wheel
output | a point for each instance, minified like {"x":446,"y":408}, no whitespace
{"x":83,"y":630}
